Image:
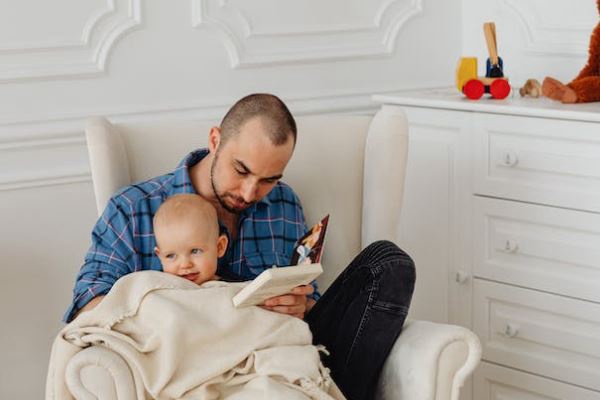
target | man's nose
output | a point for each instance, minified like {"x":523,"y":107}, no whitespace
{"x":249,"y":190}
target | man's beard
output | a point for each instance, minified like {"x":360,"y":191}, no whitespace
{"x":221,"y":196}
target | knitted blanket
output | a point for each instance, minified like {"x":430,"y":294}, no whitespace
{"x":184,"y":341}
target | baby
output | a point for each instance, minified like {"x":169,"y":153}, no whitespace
{"x":188,"y":242}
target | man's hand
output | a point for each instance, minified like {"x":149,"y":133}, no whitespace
{"x":295,"y":303}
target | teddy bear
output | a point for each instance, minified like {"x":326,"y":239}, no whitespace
{"x":585,"y":87}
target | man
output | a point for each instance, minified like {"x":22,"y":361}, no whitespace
{"x":362,"y":313}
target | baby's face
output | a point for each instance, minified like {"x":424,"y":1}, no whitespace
{"x":190,"y":251}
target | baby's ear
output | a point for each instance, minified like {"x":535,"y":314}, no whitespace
{"x":222,"y":245}
{"x":157,"y":251}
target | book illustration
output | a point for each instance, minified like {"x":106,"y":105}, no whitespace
{"x":309,"y":247}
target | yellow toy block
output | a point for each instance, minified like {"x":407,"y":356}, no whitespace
{"x":466,"y":70}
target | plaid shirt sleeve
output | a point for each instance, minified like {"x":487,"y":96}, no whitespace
{"x":110,"y":256}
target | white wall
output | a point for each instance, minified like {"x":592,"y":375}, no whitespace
{"x":63,"y":61}
{"x":536,"y":38}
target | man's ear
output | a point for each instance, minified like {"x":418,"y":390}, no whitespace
{"x":222,"y":245}
{"x":157,"y":251}
{"x":214,"y":139}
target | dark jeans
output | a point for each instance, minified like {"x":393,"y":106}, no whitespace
{"x":360,"y":316}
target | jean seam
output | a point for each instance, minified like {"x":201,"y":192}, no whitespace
{"x":373,"y":290}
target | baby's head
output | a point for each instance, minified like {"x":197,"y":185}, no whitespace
{"x":187,"y":237}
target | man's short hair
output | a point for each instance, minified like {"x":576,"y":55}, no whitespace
{"x":278,"y":120}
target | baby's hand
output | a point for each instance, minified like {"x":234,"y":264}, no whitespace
{"x":294,"y":303}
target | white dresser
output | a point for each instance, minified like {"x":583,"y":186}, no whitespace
{"x":502,"y":216}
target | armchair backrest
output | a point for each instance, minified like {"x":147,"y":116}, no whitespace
{"x":351,"y":167}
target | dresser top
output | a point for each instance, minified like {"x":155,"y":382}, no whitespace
{"x":451,"y":99}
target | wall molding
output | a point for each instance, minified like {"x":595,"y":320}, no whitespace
{"x":51,"y":150}
{"x":349,"y":101}
{"x":41,"y":180}
{"x":549,"y":39}
{"x":248,"y":45}
{"x":85,"y":56}
{"x":41,"y":160}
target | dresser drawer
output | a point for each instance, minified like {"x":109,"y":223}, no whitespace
{"x":536,"y":332}
{"x":545,"y":161}
{"x":493,"y":382}
{"x":546,"y":248}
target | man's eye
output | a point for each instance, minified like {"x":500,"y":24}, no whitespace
{"x":196,"y":251}
{"x":240,"y":172}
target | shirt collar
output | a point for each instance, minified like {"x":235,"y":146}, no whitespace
{"x":182,"y":182}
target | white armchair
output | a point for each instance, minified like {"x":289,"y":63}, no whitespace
{"x":351,"y":167}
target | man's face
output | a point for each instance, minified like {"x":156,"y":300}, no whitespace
{"x":248,"y":166}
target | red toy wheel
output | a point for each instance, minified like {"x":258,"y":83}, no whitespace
{"x":474,"y":89}
{"x":500,"y":89}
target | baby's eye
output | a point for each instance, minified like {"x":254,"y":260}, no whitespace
{"x":196,"y":251}
{"x":170,"y":256}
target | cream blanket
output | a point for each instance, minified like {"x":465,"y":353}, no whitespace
{"x":184,"y":341}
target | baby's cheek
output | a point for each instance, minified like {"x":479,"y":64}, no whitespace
{"x":169,"y":269}
{"x":213,"y":269}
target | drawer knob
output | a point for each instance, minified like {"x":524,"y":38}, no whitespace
{"x":511,"y":330}
{"x":462,"y":277}
{"x":510,"y":159}
{"x":510,"y":246}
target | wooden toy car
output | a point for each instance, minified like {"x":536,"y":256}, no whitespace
{"x":494,"y":81}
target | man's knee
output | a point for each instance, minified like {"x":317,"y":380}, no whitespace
{"x":384,"y":253}
{"x":396,"y":276}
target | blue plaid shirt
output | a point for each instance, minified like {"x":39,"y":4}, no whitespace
{"x":123,"y":238}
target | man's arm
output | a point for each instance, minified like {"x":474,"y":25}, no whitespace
{"x":302,"y":298}
{"x":109,"y":257}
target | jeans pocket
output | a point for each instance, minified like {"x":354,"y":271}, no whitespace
{"x":391,"y":308}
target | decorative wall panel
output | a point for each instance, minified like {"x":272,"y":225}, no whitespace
{"x":339,"y":30}
{"x":82,"y":55}
{"x":548,"y":31}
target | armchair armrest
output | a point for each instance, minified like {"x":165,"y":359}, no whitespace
{"x":99,"y":373}
{"x":429,"y":361}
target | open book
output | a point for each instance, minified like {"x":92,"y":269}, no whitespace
{"x":304,"y":268}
